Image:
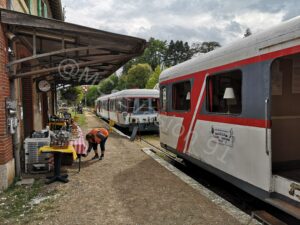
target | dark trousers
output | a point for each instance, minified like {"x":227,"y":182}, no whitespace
{"x":95,"y":145}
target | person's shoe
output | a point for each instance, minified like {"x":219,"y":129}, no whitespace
{"x":101,"y":157}
{"x":95,"y":157}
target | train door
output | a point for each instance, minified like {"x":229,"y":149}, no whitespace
{"x":163,"y":115}
{"x":285,"y":117}
{"x":175,"y":106}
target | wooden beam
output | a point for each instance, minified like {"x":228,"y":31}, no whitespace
{"x":102,"y":59}
{"x":62,"y":51}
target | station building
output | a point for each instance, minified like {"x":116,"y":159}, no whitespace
{"x":36,"y":45}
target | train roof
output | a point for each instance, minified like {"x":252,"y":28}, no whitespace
{"x":285,"y":35}
{"x":128,"y":93}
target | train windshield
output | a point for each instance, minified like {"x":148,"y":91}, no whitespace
{"x":143,"y":105}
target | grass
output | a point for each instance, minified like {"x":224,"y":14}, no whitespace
{"x":15,"y":202}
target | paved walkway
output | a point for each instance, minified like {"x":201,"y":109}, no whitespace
{"x":129,"y":187}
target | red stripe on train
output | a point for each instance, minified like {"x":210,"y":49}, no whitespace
{"x":236,"y":121}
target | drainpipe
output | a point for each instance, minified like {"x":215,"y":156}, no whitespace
{"x":16,"y":142}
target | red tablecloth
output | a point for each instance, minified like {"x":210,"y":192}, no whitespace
{"x":79,"y":143}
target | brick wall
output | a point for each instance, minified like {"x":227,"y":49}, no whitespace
{"x":6,"y":149}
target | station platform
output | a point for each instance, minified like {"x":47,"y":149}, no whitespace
{"x":130,"y":187}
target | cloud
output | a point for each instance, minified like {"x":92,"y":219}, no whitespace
{"x":192,"y":21}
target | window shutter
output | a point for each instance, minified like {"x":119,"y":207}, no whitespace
{"x":45,"y":10}
{"x":30,"y":6}
{"x":39,"y":7}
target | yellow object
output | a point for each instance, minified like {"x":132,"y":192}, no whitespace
{"x":70,"y":149}
{"x":111,"y":124}
{"x":76,"y":118}
{"x":57,"y":123}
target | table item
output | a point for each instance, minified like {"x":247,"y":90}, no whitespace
{"x":57,"y":153}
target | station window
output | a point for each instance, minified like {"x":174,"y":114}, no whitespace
{"x":181,"y":96}
{"x":224,"y":93}
{"x":163,"y":99}
{"x":42,"y":9}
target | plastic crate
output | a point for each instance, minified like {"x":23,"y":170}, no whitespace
{"x":31,"y":146}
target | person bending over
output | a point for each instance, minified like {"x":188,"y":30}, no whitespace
{"x":94,"y":137}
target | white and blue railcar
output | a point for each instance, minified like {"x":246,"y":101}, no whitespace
{"x":130,"y":108}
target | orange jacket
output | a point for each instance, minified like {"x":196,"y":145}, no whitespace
{"x":94,"y":132}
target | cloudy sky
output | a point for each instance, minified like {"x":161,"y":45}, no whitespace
{"x":187,"y":20}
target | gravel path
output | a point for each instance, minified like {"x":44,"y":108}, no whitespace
{"x":128,"y":187}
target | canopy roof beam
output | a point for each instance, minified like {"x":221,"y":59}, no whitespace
{"x":100,"y":59}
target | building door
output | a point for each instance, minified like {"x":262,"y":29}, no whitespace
{"x":27,"y":102}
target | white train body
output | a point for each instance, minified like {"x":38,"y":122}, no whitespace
{"x":235,"y":111}
{"x":129,"y":108}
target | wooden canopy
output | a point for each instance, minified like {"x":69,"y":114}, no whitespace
{"x":66,"y":53}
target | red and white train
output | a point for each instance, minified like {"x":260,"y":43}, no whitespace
{"x":131,"y":108}
{"x":236,"y":112}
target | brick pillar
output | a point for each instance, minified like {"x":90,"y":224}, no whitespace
{"x":6,"y":147}
{"x":6,"y":152}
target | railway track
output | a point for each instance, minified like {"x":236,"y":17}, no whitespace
{"x":254,"y":207}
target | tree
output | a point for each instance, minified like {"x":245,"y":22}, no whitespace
{"x":177,"y":52}
{"x":247,"y":32}
{"x":138,"y":76}
{"x":153,"y":55}
{"x":122,"y":84}
{"x":204,"y":47}
{"x":73,"y":95}
{"x":106,"y":86}
{"x":154,"y":77}
{"x":92,"y":94}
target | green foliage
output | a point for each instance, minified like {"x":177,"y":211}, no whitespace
{"x":177,"y":52}
{"x":169,"y":54}
{"x":109,"y":84}
{"x":138,"y":76}
{"x":105,"y":87}
{"x":91,"y":95}
{"x":73,"y":95}
{"x":122,"y":84}
{"x":154,"y":55}
{"x":153,"y":80}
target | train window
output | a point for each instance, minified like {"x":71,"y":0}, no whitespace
{"x":163,"y":99}
{"x":112,"y":105}
{"x":224,"y":93}
{"x":123,"y":105}
{"x":143,"y":104}
{"x":130,"y":104}
{"x":154,"y":104}
{"x":181,"y":96}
